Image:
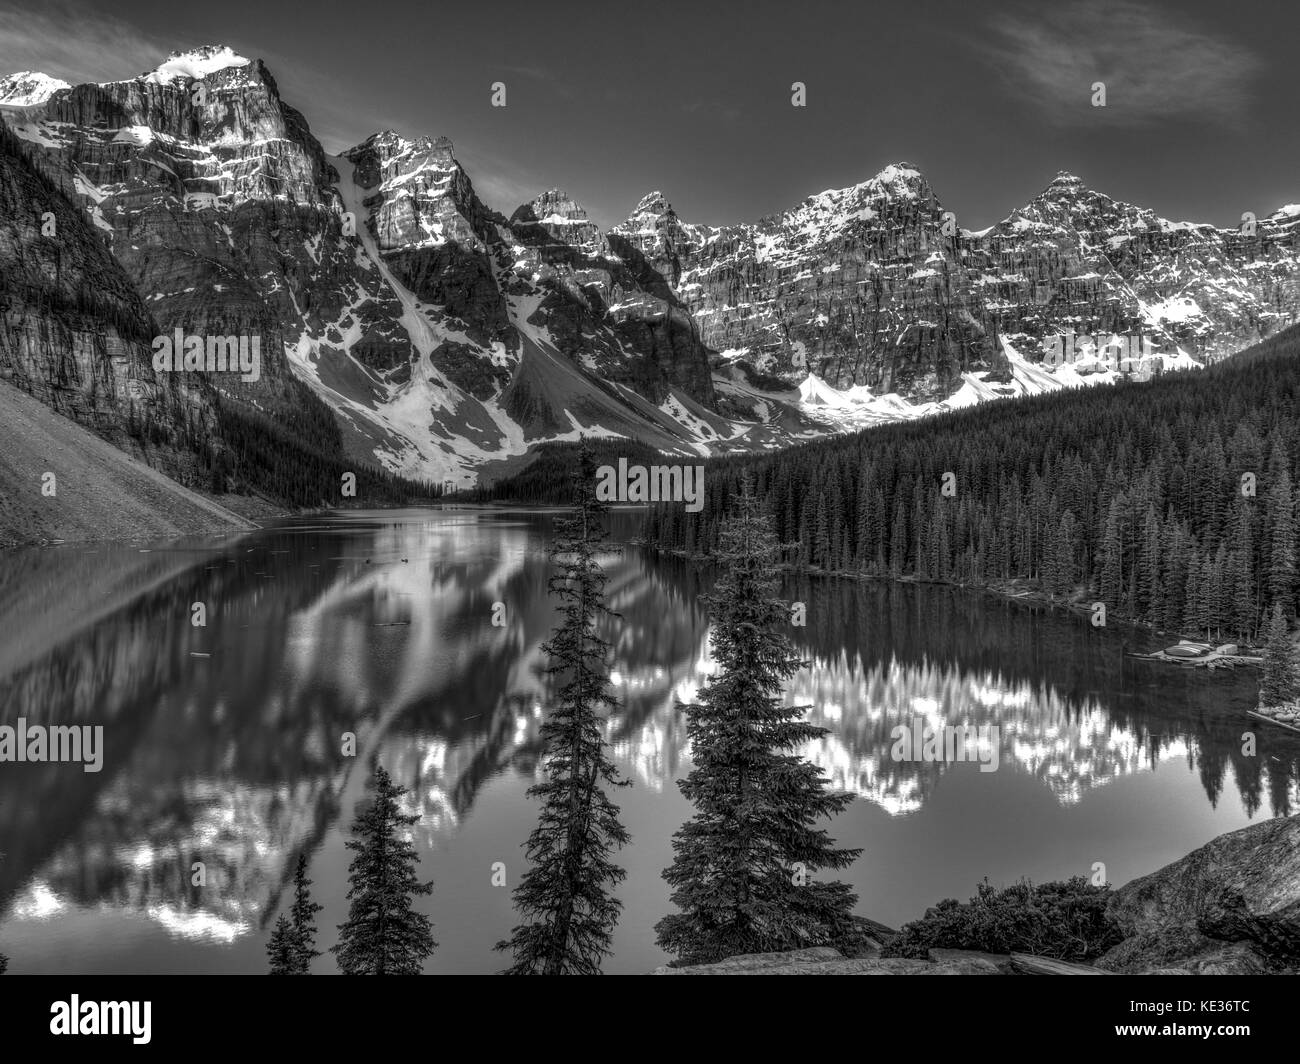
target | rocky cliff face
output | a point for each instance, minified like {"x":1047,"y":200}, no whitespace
{"x":548,"y":265}
{"x":859,"y":285}
{"x":212,"y":194}
{"x":443,"y":335}
{"x":447,"y":339}
{"x":876,"y":285}
{"x":1076,"y":260}
{"x":74,"y":333}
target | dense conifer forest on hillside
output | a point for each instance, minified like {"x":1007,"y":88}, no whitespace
{"x":1171,"y":501}
{"x":300,"y":460}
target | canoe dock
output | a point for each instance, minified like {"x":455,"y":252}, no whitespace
{"x":1202,"y":655}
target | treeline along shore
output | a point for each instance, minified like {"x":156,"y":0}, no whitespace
{"x":1170,"y":502}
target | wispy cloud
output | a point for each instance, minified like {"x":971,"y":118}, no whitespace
{"x":1155,"y":64}
{"x":70,"y":41}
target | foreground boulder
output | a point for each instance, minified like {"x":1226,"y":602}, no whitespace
{"x":1231,"y":907}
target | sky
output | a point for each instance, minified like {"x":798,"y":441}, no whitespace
{"x":610,"y":101}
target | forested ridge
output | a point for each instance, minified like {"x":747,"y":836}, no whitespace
{"x":1170,"y":501}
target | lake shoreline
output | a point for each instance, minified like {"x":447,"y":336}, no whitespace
{"x":1021,"y":591}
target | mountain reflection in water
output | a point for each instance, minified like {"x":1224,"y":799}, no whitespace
{"x":380,"y":624}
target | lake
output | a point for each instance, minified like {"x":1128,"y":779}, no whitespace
{"x":222,"y":743}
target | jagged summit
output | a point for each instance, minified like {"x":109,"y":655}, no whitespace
{"x":389,"y":155}
{"x":652,"y":203}
{"x":895,"y":179}
{"x":562,"y":218}
{"x":1065,"y":179}
{"x":554,"y":206}
{"x":390,"y":144}
{"x":900,"y":171}
{"x":1065,"y":187}
{"x":194,"y":63}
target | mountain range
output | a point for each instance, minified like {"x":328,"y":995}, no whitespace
{"x":407,"y":326}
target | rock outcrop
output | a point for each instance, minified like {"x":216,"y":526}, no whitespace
{"x":74,"y":333}
{"x":1231,"y":907}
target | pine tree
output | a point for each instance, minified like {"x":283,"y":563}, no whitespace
{"x":566,"y":896}
{"x":1279,"y":678}
{"x":1112,"y":551}
{"x":282,"y":950}
{"x":1058,"y":568}
{"x":383,"y":934}
{"x":1282,"y":548}
{"x":304,"y":918}
{"x":821,"y":535}
{"x":898,"y":540}
{"x":1243,"y":583}
{"x":741,"y":866}
{"x":1150,"y":588}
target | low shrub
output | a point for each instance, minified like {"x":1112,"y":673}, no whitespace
{"x":1063,"y":920}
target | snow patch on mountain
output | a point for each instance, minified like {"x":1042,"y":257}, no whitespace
{"x":28,"y":88}
{"x":194,"y":65}
{"x":857,"y":407}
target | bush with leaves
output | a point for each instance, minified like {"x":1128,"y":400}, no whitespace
{"x":1064,"y":920}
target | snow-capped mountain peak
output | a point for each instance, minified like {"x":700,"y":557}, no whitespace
{"x":654,"y":202}
{"x":897,"y":175}
{"x":194,"y":64}
{"x":895,"y":181}
{"x":28,"y":88}
{"x":449,"y":338}
{"x":562,"y":218}
{"x":1066,"y":180}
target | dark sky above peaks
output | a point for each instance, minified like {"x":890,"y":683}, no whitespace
{"x":610,"y":100}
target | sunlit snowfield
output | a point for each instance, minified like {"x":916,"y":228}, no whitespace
{"x":381,"y":624}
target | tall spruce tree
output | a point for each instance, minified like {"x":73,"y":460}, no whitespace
{"x":383,"y":935}
{"x":1282,"y":548}
{"x":303,"y":915}
{"x":566,"y":897}
{"x":282,"y":950}
{"x":742,"y":866}
{"x":1279,"y":678}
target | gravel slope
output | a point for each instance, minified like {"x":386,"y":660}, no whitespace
{"x":103,"y":493}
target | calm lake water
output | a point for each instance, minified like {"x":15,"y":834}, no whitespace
{"x":222,"y":743}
